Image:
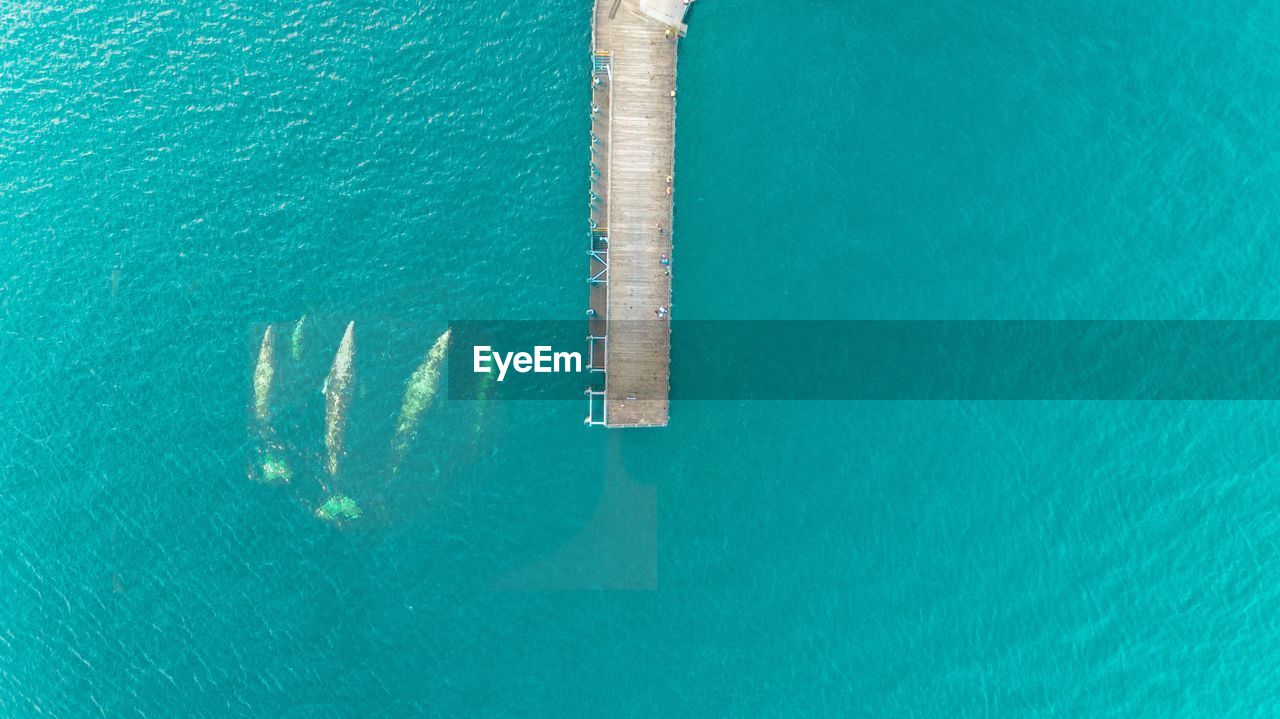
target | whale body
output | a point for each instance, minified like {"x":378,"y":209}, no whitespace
{"x":337,"y":396}
{"x":418,"y":396}
{"x":295,"y":340}
{"x":263,"y":375}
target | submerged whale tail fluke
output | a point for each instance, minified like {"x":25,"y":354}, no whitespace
{"x":418,"y":396}
{"x":263,"y":374}
{"x":337,"y":395}
{"x":275,"y":469}
{"x":338,"y":507}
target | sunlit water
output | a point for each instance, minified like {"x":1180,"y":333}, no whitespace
{"x":175,"y":178}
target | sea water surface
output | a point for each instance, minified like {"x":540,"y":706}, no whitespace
{"x":176,"y":177}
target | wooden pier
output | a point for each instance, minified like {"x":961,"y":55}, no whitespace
{"x":633,"y":78}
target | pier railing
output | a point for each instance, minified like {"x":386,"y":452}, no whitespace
{"x":598,"y":247}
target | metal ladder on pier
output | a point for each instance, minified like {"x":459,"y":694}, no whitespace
{"x":602,"y":64}
{"x":596,"y":414}
{"x":599,"y":254}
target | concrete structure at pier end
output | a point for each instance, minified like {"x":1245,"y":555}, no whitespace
{"x":633,"y":112}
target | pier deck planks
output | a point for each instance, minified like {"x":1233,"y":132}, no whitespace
{"x":640,"y":159}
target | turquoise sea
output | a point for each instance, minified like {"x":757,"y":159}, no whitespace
{"x":175,"y":177}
